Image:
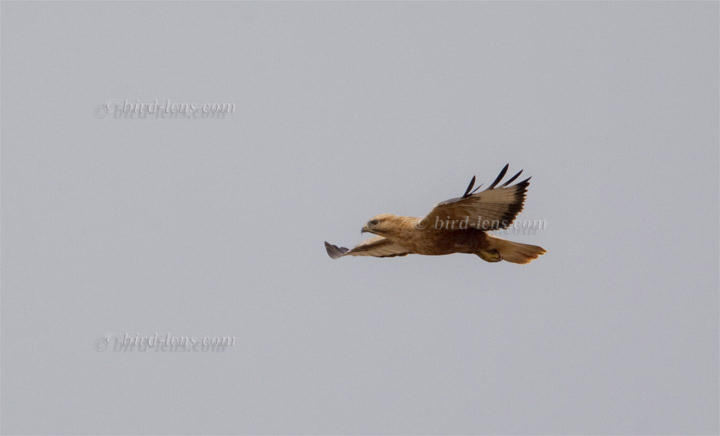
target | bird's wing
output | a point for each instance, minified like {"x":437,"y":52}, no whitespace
{"x":494,"y":208}
{"x":376,"y":246}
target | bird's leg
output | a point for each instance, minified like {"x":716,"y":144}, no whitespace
{"x":489,"y":255}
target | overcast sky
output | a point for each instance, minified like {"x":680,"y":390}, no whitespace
{"x":215,"y":226}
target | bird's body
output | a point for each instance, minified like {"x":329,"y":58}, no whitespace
{"x":440,"y":242}
{"x":420,"y":239}
{"x":459,"y":225}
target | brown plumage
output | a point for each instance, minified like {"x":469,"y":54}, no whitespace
{"x":459,"y":225}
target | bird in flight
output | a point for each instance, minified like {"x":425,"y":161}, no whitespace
{"x":458,"y":225}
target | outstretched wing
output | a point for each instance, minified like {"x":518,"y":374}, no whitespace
{"x":494,"y":208}
{"x":376,"y":246}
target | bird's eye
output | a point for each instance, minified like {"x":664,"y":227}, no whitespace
{"x":373,"y":222}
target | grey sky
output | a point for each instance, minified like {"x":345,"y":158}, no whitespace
{"x":344,"y":110}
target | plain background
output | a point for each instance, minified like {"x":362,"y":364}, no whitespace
{"x":346,"y":110}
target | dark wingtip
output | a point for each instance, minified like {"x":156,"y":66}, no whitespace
{"x":470,"y":186}
{"x":334,"y":251}
{"x":499,"y":177}
{"x":512,"y":179}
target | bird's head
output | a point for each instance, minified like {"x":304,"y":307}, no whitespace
{"x":384,"y":224}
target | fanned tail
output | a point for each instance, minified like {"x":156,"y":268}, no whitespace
{"x":514,"y":252}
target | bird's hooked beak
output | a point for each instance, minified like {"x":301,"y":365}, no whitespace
{"x":365,"y":229}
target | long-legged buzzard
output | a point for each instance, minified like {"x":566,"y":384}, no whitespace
{"x":459,"y":225}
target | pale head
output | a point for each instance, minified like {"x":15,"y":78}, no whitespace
{"x":385,"y":224}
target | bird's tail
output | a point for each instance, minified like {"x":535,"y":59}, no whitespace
{"x":514,"y":252}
